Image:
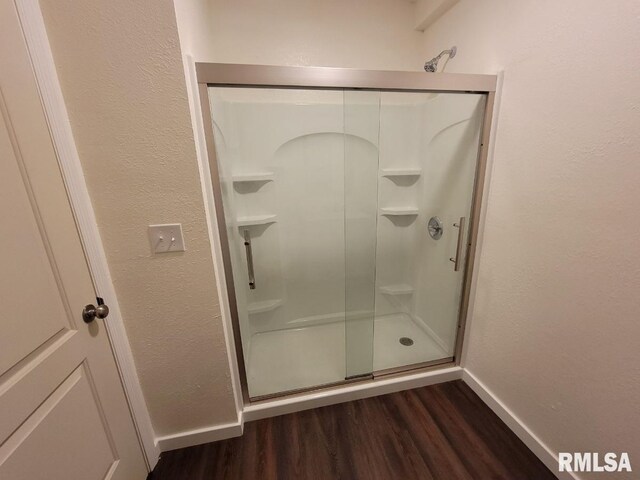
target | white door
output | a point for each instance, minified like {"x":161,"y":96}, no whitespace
{"x":63,"y":412}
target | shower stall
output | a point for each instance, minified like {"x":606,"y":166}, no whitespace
{"x":347,"y":204}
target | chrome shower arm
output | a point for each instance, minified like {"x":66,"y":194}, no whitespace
{"x":431,"y":66}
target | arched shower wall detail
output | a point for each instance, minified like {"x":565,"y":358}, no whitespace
{"x":326,"y":194}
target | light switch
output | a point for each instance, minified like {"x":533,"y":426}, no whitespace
{"x":166,"y":238}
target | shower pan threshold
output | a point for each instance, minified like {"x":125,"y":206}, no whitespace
{"x":300,"y":358}
{"x":325,"y":395}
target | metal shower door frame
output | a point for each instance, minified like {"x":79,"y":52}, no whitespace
{"x":326,"y":78}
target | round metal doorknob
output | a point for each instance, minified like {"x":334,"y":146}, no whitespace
{"x":91,"y":312}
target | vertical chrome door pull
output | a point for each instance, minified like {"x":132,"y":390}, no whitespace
{"x":458,"y":260}
{"x":247,"y":247}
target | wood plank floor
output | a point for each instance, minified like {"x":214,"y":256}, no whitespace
{"x":439,"y":432}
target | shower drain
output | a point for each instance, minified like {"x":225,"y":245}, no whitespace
{"x":406,"y":341}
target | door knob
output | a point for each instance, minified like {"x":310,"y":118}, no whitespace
{"x":90,"y":312}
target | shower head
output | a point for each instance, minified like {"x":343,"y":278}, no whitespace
{"x":431,"y":66}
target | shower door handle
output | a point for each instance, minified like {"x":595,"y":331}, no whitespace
{"x":247,"y":247}
{"x":459,"y":247}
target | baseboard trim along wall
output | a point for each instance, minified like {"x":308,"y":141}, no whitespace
{"x":537,"y":446}
{"x":272,"y":408}
{"x":198,"y":436}
{"x":357,"y":391}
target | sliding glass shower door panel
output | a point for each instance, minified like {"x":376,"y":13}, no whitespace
{"x":347,"y":216}
{"x":428,"y":156}
{"x":281,"y":158}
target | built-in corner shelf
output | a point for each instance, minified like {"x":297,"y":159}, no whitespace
{"x":399,"y":211}
{"x":253,"y":177}
{"x":401,"y":172}
{"x":399,"y":289}
{"x":255,"y":220}
{"x":263,"y":306}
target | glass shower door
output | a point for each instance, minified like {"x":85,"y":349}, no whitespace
{"x":428,"y":156}
{"x":410,"y":165}
{"x":345,"y":213}
{"x":280,"y":154}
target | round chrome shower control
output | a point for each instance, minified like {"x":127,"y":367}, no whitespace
{"x":435,"y":228}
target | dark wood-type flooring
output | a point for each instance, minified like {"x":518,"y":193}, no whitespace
{"x":438,"y":432}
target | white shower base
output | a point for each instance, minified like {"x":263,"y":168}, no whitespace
{"x":293,"y":359}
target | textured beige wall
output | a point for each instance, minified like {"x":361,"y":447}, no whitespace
{"x":556,"y":323}
{"x":375,"y":34}
{"x":120,"y":67}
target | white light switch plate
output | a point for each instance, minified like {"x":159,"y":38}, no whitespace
{"x":166,"y":238}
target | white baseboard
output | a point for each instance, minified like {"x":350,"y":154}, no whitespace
{"x":540,"y":450}
{"x":272,"y":408}
{"x":358,"y":391}
{"x":197,"y":436}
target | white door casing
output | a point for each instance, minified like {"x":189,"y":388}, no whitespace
{"x":63,"y":411}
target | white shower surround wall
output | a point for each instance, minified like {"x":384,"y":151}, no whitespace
{"x":287,"y":165}
{"x":439,"y":136}
{"x":258,"y":138}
